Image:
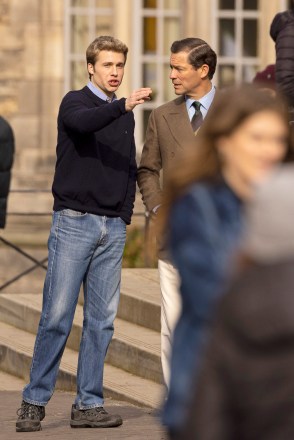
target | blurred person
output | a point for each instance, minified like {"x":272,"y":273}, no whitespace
{"x":244,"y":137}
{"x":246,"y":384}
{"x":94,"y":191}
{"x":282,"y":32}
{"x":171,"y":129}
{"x":6,"y":161}
{"x":265,"y":79}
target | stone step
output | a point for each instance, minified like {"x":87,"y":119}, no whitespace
{"x":134,"y":348}
{"x":140,"y":292}
{"x":140,"y":298}
{"x":16,"y":351}
{"x":8,"y":382}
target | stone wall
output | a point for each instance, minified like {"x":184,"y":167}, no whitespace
{"x":31,"y":83}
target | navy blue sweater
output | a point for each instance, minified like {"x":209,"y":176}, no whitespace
{"x":96,"y":166}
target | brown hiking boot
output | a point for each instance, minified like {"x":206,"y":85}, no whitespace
{"x":29,"y":417}
{"x":93,"y":418}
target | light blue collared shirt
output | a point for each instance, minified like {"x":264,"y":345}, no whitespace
{"x":205,"y":102}
{"x":99,"y":93}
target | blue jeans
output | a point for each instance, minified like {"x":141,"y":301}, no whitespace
{"x":88,"y":249}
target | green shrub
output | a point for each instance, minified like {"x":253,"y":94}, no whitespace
{"x":137,"y":253}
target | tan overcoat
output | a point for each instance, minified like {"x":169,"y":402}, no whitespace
{"x":169,"y":132}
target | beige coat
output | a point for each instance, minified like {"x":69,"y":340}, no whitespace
{"x":169,"y":132}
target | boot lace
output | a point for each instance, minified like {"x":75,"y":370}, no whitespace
{"x":28,"y":411}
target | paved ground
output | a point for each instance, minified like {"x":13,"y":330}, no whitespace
{"x":139,"y":423}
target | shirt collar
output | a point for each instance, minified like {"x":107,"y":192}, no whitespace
{"x":99,"y":93}
{"x":205,"y":101}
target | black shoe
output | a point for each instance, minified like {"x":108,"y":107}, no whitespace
{"x":29,"y":417}
{"x":93,"y":418}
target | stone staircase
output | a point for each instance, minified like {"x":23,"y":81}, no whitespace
{"x":132,"y":369}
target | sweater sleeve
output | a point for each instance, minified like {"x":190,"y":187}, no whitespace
{"x":285,"y":62}
{"x":282,"y":32}
{"x":77,"y":116}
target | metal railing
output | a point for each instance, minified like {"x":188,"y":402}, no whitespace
{"x":41,"y":263}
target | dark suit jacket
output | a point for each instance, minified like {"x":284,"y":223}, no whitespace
{"x":169,"y":132}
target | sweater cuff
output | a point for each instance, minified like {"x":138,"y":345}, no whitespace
{"x":122,"y":105}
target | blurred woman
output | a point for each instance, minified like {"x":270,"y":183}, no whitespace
{"x":244,"y":137}
{"x":246,"y":382}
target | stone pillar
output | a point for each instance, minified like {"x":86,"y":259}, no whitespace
{"x":266,"y":45}
{"x":122,"y":30}
{"x":197,"y":19}
{"x":51,"y":75}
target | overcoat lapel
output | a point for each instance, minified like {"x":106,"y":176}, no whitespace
{"x":179,"y":123}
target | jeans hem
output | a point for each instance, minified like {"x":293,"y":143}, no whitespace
{"x":34,"y":402}
{"x":83,"y":408}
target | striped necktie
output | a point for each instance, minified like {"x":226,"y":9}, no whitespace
{"x":197,"y":118}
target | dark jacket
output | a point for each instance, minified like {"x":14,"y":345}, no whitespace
{"x":96,"y":166}
{"x":205,"y":226}
{"x":245,"y":388}
{"x":6,"y":160}
{"x":282,"y":32}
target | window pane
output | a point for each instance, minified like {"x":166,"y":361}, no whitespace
{"x":250,"y":5}
{"x":104,"y":25}
{"x":171,"y":33}
{"x":80,"y":3}
{"x":168,"y":90}
{"x":226,"y":75}
{"x":149,"y":42}
{"x":250,"y":38}
{"x":226,"y":4}
{"x":79,"y":74}
{"x":149,"y":78}
{"x":227,"y":37}
{"x":248,"y":73}
{"x":150,"y":4}
{"x":79,"y":33}
{"x":172,"y":4}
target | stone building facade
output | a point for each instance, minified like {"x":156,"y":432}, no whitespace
{"x":42,"y":55}
{"x":31,"y":80}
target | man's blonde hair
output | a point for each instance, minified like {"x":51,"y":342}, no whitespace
{"x":104,"y":43}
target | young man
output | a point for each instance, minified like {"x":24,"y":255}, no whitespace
{"x":171,"y":128}
{"x":94,"y":191}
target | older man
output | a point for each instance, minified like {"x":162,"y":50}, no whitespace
{"x":172,"y":128}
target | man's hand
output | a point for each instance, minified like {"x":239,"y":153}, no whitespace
{"x":138,"y":97}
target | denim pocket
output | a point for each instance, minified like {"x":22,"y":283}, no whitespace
{"x":73,"y":213}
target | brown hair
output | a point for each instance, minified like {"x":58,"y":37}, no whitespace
{"x":230,"y":108}
{"x":199,"y":53}
{"x":104,"y":43}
